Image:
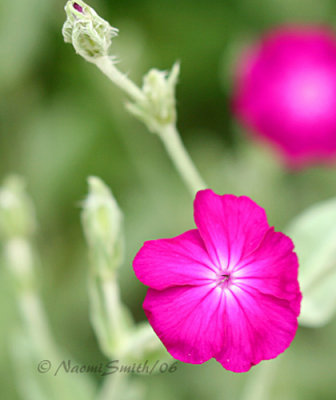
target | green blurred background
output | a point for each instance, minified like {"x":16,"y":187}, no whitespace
{"x":61,"y":121}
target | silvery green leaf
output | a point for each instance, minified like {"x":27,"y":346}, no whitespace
{"x":143,"y":344}
{"x":314,"y":236}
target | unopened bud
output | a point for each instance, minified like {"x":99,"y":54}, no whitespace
{"x":17,"y":215}
{"x":102,"y":222}
{"x":90,"y":35}
{"x":158,"y":106}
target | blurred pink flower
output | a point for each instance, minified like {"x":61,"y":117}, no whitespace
{"x":227,"y":290}
{"x":286,"y":92}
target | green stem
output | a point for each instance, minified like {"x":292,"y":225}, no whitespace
{"x":20,"y":263}
{"x":107,"y":66}
{"x":181,"y":159}
{"x":259,"y":382}
{"x":113,"y":387}
{"x":168,"y":133}
{"x":106,"y":313}
{"x":20,"y":257}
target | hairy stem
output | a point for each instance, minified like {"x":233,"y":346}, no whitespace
{"x":107,"y":66}
{"x":168,"y":133}
{"x":181,"y":159}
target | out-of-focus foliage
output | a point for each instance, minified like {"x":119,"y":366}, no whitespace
{"x":61,"y":121}
{"x":314,"y":235}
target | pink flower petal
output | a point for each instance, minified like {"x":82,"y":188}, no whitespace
{"x":239,"y":328}
{"x":231,"y":227}
{"x":228,"y":291}
{"x":257,"y":327}
{"x":181,"y":260}
{"x":188,"y":320}
{"x":272,"y":272}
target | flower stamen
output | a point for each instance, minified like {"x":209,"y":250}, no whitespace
{"x":223,"y":280}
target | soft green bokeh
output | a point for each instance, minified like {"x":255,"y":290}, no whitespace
{"x":314,"y":235}
{"x":62,"y":121}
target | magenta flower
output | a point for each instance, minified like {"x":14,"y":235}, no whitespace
{"x":286,"y":93}
{"x":227,"y":290}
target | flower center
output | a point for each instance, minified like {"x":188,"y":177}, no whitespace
{"x":223,"y":280}
{"x":310,"y":93}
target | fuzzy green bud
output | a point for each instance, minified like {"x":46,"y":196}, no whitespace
{"x":158,"y":107}
{"x":90,"y":35}
{"x":17,"y":214}
{"x":102,"y":222}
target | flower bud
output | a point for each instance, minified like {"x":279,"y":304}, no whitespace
{"x":90,"y":35}
{"x":17,"y":215}
{"x":158,"y":106}
{"x":102,"y":222}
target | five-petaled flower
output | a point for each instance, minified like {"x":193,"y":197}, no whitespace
{"x":227,"y":289}
{"x":286,"y":93}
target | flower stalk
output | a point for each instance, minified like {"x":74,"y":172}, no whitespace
{"x":17,"y":226}
{"x":102,"y":223}
{"x":117,"y":334}
{"x":34,"y":341}
{"x":154,"y":104}
{"x":180,"y":157}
